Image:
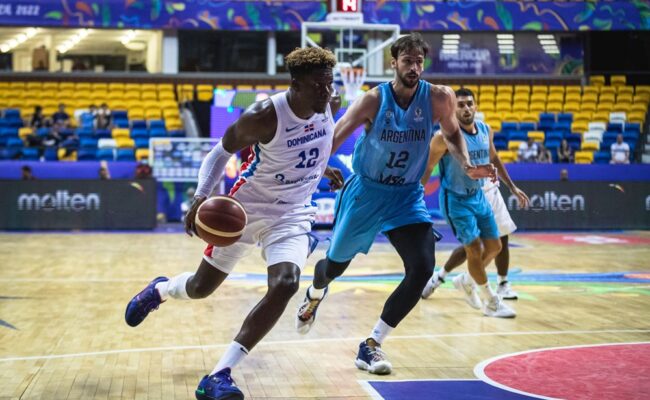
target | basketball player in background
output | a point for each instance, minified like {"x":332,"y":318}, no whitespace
{"x":468,"y":211}
{"x":384,"y":193}
{"x":291,"y":135}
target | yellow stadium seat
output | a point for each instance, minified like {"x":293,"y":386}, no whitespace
{"x":132,"y":86}
{"x":521,"y":97}
{"x":573,"y":89}
{"x":495,"y":124}
{"x":605,"y":106}
{"x":473,"y":88}
{"x":115,"y":95}
{"x":521,"y":88}
{"x":142,"y":154}
{"x":584,"y":157}
{"x":642,"y":89}
{"x":120,"y":132}
{"x":507,"y":156}
{"x":504,"y":96}
{"x":117,"y":104}
{"x":263,"y":87}
{"x":538,"y":97}
{"x":136,"y":113}
{"x":244,"y":87}
{"x":555,"y":97}
{"x":636,"y":116}
{"x":487,"y":89}
{"x":17,"y":85}
{"x":230,"y":87}
{"x":554,"y":107}
{"x":514,"y":145}
{"x":539,"y":89}
{"x":617,"y":80}
{"x":556,"y":89}
{"x":622,"y":106}
{"x":99,"y":86}
{"x":530,"y":116}
{"x":116,"y":86}
{"x":607,"y":90}
{"x":579,"y":126}
{"x":24,"y":132}
{"x":166,"y":95}
{"x":173,"y":124}
{"x":131,"y":95}
{"x":504,"y":106}
{"x":588,"y":107}
{"x":600,"y":116}
{"x":537,"y":136}
{"x":149,"y":95}
{"x":571,"y":107}
{"x":639,"y":107}
{"x":590,"y":90}
{"x":597,"y":80}
{"x":624,"y":97}
{"x":286,"y":87}
{"x":124,"y":142}
{"x":34,"y":85}
{"x":511,"y":117}
{"x":153,"y":87}
{"x":165,"y":87}
{"x":50,"y":86}
{"x":204,"y":95}
{"x":583,"y":116}
{"x":70,"y":157}
{"x":453,"y":87}
{"x":152,"y":113}
{"x":487,"y":106}
{"x":204,"y":88}
{"x":537,"y":107}
{"x":489,"y":96}
{"x":171,"y":113}
{"x":590,"y":146}
{"x":625,"y":89}
{"x":520,"y":107}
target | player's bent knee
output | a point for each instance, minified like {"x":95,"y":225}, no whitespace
{"x":285,"y":283}
{"x":200,"y":289}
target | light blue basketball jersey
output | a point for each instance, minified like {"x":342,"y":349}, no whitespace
{"x":452,"y":176}
{"x":395,"y":149}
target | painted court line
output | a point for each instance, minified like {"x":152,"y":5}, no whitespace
{"x":323,"y":340}
{"x":479,"y":369}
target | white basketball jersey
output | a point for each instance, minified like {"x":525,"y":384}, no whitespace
{"x":289,"y":167}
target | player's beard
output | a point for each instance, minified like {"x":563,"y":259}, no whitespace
{"x":406,"y":80}
{"x":467,"y":121}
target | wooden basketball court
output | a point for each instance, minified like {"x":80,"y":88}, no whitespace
{"x":63,"y":335}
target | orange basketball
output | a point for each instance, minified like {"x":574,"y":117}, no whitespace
{"x":220,"y":220}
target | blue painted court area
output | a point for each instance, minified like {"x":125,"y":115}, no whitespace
{"x":441,"y":390}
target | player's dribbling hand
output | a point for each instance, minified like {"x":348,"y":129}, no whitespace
{"x":482,"y":171}
{"x":190,"y":228}
{"x":521,"y":197}
{"x":335,"y":177}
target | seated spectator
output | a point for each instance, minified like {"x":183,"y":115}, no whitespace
{"x":38,"y":120}
{"x":103,"y":117}
{"x":564,"y":152}
{"x":61,"y":119}
{"x":143,"y":170}
{"x":26,"y":173}
{"x":103,"y":173}
{"x":564,"y":175}
{"x":620,"y":151}
{"x":544,"y":155}
{"x":527,"y":151}
{"x":87,"y":118}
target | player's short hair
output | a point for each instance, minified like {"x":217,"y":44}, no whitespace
{"x":464,"y":92}
{"x":414,"y":41}
{"x":303,"y":61}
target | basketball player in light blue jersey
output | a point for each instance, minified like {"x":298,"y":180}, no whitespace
{"x":384,"y":194}
{"x":467,"y":210}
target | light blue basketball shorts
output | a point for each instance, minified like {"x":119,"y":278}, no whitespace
{"x":470,"y":217}
{"x":363,"y":208}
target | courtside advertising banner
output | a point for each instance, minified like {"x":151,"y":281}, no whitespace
{"x":581,"y":205}
{"x":81,"y":204}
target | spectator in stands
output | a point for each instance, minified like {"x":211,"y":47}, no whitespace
{"x":527,"y":151}
{"x":104,"y":175}
{"x":103,"y":117}
{"x":26,"y":173}
{"x":61,"y":119}
{"x":189,"y":198}
{"x":143,"y":170}
{"x":620,"y":151}
{"x":564,"y":175}
{"x":564,"y":152}
{"x":544,"y":155}
{"x":38,"y":120}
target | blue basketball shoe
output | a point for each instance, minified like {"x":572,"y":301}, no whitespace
{"x":218,"y":386}
{"x":372,"y":359}
{"x":143,"y":303}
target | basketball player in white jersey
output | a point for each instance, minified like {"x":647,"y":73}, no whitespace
{"x":291,"y":137}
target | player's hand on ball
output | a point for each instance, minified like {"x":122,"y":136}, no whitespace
{"x":190,"y":227}
{"x":482,"y":171}
{"x":335,"y":177}
{"x":521,"y":197}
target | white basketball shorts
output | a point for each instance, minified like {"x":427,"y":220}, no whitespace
{"x":504,"y":222}
{"x":281,"y":230}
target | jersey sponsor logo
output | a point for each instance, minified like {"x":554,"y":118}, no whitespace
{"x":292,"y":128}
{"x":282,"y":180}
{"x":312,"y":135}
{"x":406,"y":136}
{"x":418,"y":115}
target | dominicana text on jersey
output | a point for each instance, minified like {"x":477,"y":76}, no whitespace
{"x":395,"y":149}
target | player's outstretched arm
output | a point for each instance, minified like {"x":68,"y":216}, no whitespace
{"x":362,"y":111}
{"x":504,"y":175}
{"x":257,"y":124}
{"x":437,"y":149}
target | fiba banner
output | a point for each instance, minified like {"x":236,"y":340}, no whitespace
{"x":81,"y":204}
{"x":581,"y":205}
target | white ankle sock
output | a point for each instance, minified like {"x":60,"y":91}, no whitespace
{"x":467,"y":279}
{"x":380,"y":331}
{"x":315,"y":293}
{"x":502,"y":278}
{"x":175,"y":287}
{"x":486,"y":291}
{"x":442,"y":273}
{"x":234,"y":354}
